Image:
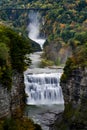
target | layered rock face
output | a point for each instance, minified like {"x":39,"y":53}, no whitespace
{"x":4,"y":102}
{"x":74,"y":89}
{"x":58,"y":53}
{"x":12,"y":99}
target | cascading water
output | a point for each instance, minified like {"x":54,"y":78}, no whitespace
{"x":42,"y":85}
{"x":43,"y":88}
{"x":34,"y":27}
{"x":44,"y":95}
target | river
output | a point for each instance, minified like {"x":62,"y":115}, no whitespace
{"x":45,"y":99}
{"x":42,"y":85}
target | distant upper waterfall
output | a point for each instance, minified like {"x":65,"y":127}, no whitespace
{"x":35,"y":22}
{"x":43,"y":88}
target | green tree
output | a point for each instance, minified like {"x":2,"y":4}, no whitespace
{"x":4,"y":53}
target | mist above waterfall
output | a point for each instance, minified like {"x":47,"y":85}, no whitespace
{"x":34,"y":28}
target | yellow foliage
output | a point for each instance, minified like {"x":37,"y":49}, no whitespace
{"x":54,"y":27}
{"x":24,"y":124}
{"x":72,"y":24}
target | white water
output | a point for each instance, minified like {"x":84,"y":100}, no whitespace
{"x":43,"y":89}
{"x":42,"y":85}
{"x":34,"y":28}
{"x":45,"y":99}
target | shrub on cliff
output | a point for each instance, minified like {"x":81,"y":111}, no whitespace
{"x":46,"y":63}
{"x":17,"y":124}
{"x":22,"y":123}
{"x":69,"y":67}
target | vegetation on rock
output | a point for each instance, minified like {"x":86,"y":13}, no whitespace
{"x":13,"y":50}
{"x":79,"y":57}
{"x":46,"y":63}
{"x":18,"y":122}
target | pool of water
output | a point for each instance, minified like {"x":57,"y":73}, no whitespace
{"x":44,"y":115}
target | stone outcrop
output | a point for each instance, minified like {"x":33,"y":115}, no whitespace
{"x":74,"y":89}
{"x":12,"y":99}
{"x":58,"y":53}
{"x":4,"y":102}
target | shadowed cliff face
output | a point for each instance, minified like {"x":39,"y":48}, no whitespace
{"x":75,"y":88}
{"x":75,"y":96}
{"x":58,"y":53}
{"x":10,"y":100}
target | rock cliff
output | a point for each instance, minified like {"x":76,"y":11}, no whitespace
{"x":58,"y":52}
{"x":12,"y":99}
{"x":74,"y":89}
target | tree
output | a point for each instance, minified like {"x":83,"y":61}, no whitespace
{"x":4,"y":53}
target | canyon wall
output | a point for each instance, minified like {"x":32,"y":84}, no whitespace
{"x":12,"y":99}
{"x":74,"y":89}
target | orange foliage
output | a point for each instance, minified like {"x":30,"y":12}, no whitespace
{"x":62,"y":26}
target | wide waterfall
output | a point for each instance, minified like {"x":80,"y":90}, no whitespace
{"x":43,"y":88}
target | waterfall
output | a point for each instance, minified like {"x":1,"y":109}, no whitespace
{"x":34,"y":27}
{"x":42,"y":85}
{"x":43,"y":88}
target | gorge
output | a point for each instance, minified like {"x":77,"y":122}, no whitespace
{"x":74,"y":89}
{"x":42,"y":84}
{"x":45,"y":99}
{"x":61,"y":30}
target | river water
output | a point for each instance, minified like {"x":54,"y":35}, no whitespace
{"x":45,"y":98}
{"x":42,"y":85}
